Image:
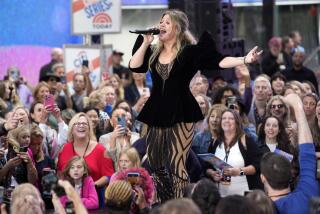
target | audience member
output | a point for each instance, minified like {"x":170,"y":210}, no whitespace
{"x":296,"y":38}
{"x":300,"y":72}
{"x":278,"y":81}
{"x":204,"y":104}
{"x":56,"y":57}
{"x":263,"y":203}
{"x":77,"y":173}
{"x":204,"y":139}
{"x":287,"y":46}
{"x":276,"y":170}
{"x":272,"y":61}
{"x":179,"y":206}
{"x":240,"y":152}
{"x":243,"y":81}
{"x":206,"y":195}
{"x":82,"y":87}
{"x":122,"y":71}
{"x":262,"y":91}
{"x":24,"y":89}
{"x":236,"y":204}
{"x":310,"y":101}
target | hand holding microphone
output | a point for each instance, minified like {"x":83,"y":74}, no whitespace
{"x":147,"y":34}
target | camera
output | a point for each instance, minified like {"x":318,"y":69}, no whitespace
{"x":50,"y":182}
{"x":23,"y":149}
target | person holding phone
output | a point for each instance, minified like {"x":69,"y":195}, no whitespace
{"x":119,"y":139}
{"x":171,"y":110}
{"x":20,"y":167}
{"x":52,"y":140}
{"x":63,"y":97}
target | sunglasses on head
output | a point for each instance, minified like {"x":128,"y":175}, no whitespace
{"x":277,"y":106}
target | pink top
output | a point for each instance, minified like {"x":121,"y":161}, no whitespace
{"x":89,"y":195}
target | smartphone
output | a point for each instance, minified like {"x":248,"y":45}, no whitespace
{"x":122,"y":121}
{"x":23,"y":149}
{"x":85,"y":62}
{"x":49,"y":101}
{"x":146,"y":92}
{"x":133,"y":178}
{"x":63,"y":80}
{"x":231,"y":101}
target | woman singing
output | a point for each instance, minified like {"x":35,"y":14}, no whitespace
{"x":171,"y":110}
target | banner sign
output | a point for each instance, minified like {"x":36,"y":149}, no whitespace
{"x":96,"y":56}
{"x":95,"y":16}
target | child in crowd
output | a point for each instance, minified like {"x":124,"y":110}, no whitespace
{"x":127,"y":159}
{"x":77,"y":173}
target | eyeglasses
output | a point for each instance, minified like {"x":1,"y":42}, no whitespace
{"x":81,"y":124}
{"x":279,"y":106}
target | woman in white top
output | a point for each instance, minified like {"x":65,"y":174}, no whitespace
{"x":240,"y":152}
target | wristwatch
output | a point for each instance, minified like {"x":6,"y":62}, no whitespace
{"x":241,"y":172}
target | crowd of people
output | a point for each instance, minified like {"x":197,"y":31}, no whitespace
{"x":84,"y":149}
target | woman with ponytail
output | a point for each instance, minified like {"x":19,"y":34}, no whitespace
{"x":171,"y":111}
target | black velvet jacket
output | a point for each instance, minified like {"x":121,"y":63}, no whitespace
{"x":171,"y":101}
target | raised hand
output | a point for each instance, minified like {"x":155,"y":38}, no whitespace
{"x":253,"y":55}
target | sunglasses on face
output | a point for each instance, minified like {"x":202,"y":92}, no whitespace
{"x":279,"y":106}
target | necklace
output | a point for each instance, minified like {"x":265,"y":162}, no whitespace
{"x":85,"y":151}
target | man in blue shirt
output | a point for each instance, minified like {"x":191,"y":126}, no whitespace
{"x":276,"y":174}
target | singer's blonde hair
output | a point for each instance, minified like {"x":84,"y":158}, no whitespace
{"x":184,"y":37}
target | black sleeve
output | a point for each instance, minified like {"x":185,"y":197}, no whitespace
{"x":254,"y":154}
{"x":3,"y":131}
{"x":314,"y":81}
{"x":206,"y":54}
{"x":145,"y":65}
{"x":268,"y":65}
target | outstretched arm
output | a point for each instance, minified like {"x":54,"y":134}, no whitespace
{"x":230,"y":62}
{"x":304,"y":133}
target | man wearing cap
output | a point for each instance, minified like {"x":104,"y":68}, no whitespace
{"x":56,"y":57}
{"x":122,"y":71}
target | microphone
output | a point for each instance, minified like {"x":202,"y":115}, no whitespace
{"x":154,"y":31}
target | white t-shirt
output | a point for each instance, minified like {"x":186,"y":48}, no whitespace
{"x":239,"y":184}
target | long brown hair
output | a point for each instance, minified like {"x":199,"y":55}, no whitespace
{"x":239,"y":128}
